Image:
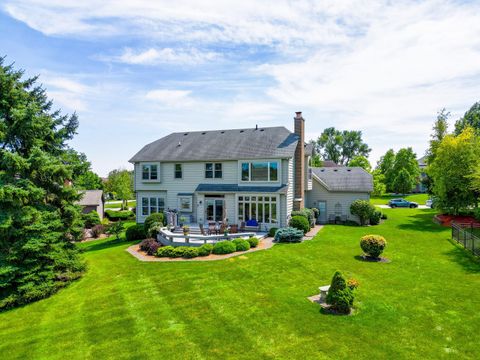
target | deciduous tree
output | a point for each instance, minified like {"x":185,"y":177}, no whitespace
{"x":361,"y":161}
{"x":120,"y":183}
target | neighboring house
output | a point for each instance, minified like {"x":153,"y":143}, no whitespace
{"x":420,"y":187}
{"x":92,"y":200}
{"x":259,"y":174}
{"x":335,"y":188}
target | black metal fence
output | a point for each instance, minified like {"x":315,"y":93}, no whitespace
{"x":468,"y":236}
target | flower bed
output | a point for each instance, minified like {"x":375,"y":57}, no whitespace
{"x":446,"y":220}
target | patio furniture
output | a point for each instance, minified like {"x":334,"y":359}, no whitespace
{"x":343,"y":219}
{"x":212,"y":229}
{"x":233,"y":229}
{"x":222,"y":229}
{"x":331,"y":219}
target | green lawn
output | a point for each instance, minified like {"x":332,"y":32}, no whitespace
{"x":383,"y":200}
{"x":424,"y":304}
{"x":108,"y":205}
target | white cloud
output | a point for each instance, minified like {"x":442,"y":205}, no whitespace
{"x":172,"y":98}
{"x":153,"y":56}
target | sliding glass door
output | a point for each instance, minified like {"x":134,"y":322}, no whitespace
{"x":214,"y":209}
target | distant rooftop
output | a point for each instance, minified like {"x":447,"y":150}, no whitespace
{"x":341,"y":178}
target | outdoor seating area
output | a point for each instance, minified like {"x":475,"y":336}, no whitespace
{"x":337,"y":219}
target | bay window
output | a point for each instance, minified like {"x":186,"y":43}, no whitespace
{"x":263,"y":209}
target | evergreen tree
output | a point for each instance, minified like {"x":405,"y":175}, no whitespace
{"x":470,"y":119}
{"x":340,"y":295}
{"x":38,"y":218}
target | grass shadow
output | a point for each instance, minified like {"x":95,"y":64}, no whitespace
{"x":464,"y":257}
{"x":106,"y":244}
{"x":421,"y":222}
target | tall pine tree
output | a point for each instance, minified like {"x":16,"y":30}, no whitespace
{"x":38,"y":218}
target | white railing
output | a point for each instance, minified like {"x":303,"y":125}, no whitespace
{"x":167,"y":237}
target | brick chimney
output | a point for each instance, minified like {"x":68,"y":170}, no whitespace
{"x":299,"y":192}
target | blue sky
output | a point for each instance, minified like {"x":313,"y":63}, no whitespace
{"x":135,"y":71}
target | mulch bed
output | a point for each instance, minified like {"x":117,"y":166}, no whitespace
{"x":446,"y":220}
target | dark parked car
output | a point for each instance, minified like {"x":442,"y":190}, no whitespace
{"x":402,"y":203}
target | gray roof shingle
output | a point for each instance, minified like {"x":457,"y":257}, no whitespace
{"x":91,"y":197}
{"x":269,"y":142}
{"x":348,"y":179}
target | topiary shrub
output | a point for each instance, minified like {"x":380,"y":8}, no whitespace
{"x":363,"y":209}
{"x":150,"y":222}
{"x":300,"y":223}
{"x":272,"y":231}
{"x":340,"y":295}
{"x":253,"y":241}
{"x":373,"y":245}
{"x":91,"y":219}
{"x":288,"y":235}
{"x":241,"y":244}
{"x":165,"y":251}
{"x":135,"y":232}
{"x":98,"y":230}
{"x":307,"y":213}
{"x":224,"y":247}
{"x":190,"y":252}
{"x":205,"y":250}
{"x":375,"y":218}
{"x":115,"y":215}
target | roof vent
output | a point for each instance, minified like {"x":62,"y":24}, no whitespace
{"x":185,"y":134}
{"x":179,"y":143}
{"x":262,"y":129}
{"x":349,"y":169}
{"x":222,"y":132}
{"x":242,"y":130}
{"x":323,"y":170}
{"x":335,"y":169}
{"x":203,"y":133}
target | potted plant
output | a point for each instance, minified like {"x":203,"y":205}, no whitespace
{"x":183,"y":220}
{"x":186,"y":230}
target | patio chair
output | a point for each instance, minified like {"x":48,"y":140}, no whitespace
{"x":343,"y":219}
{"x":211,"y":229}
{"x":233,"y":229}
{"x":242,"y":226}
{"x":222,"y":229}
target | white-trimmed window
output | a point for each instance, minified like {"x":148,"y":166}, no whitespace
{"x":259,"y":171}
{"x":263,"y":209}
{"x":213,"y":170}
{"x":178,"y":171}
{"x":185,"y":203}
{"x":150,"y":172}
{"x":152,"y":205}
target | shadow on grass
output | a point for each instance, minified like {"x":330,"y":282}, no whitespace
{"x":366,"y":259}
{"x":106,"y":244}
{"x":421,"y":222}
{"x":464,"y":257}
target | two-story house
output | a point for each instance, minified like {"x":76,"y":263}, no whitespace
{"x":237,"y":174}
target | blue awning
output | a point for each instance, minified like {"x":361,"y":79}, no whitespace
{"x":236,"y":188}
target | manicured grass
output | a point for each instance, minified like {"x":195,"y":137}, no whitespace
{"x":109,"y":205}
{"x":383,"y":200}
{"x":424,"y":304}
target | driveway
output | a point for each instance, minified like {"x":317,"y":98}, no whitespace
{"x":388,"y":207}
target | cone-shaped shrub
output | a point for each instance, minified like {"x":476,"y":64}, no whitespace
{"x":340,"y":296}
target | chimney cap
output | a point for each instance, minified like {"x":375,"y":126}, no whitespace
{"x":298,"y":113}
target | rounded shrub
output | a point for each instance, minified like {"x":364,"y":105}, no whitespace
{"x":180,"y":251}
{"x":373,"y":245}
{"x":307,"y":213}
{"x":272,"y":231}
{"x":384,"y":216}
{"x":98,"y":230}
{"x":150,"y":246}
{"x":151,"y":220}
{"x":205,"y":250}
{"x":300,"y":223}
{"x":135,"y":232}
{"x":224,"y":247}
{"x":363,"y":209}
{"x":340,"y":295}
{"x":375,"y":218}
{"x":241,"y":244}
{"x":316,"y":212}
{"x":91,"y":219}
{"x":253,"y":241}
{"x":190,"y":252}
{"x":288,"y":235}
{"x":165,"y":251}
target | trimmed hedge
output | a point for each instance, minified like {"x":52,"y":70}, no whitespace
{"x":375,"y":218}
{"x":289,"y":235}
{"x":241,"y":244}
{"x":307,"y":213}
{"x":300,"y":222}
{"x":165,"y":251}
{"x":188,"y":252}
{"x":224,"y":247}
{"x":205,"y":250}
{"x":253,"y":241}
{"x":91,"y":219}
{"x":115,"y":215}
{"x":373,"y":245}
{"x":272,"y":231}
{"x":135,"y":232}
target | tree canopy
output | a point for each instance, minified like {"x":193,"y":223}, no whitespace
{"x":89,"y":181}
{"x":120,"y":184}
{"x":470,"y":119}
{"x":38,"y":218}
{"x":390,"y":166}
{"x":361,"y":161}
{"x":341,"y":146}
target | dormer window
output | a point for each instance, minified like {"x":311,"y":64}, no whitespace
{"x":150,"y":172}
